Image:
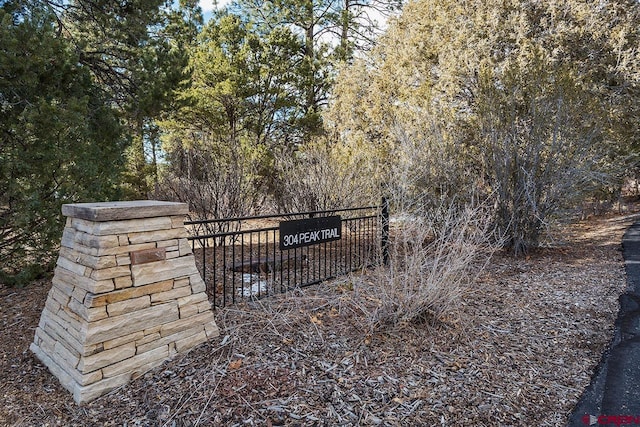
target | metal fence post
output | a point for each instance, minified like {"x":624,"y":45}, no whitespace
{"x":385,"y":231}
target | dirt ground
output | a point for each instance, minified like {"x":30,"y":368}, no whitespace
{"x":519,"y":350}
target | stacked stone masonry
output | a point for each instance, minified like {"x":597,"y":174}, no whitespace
{"x":125,"y":296}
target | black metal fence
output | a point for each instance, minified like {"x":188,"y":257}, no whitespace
{"x":242,"y":258}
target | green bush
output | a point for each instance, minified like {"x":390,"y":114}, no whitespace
{"x":61,"y":143}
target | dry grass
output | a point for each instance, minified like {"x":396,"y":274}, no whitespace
{"x":433,"y":260}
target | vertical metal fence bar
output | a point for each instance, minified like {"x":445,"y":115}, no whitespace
{"x":365,"y":242}
{"x":324,"y":257}
{"x":365,"y":235}
{"x":358,"y":256}
{"x":242,"y":272}
{"x":338,"y":257}
{"x":332,"y":258}
{"x":356,"y":244}
{"x":259,"y":269}
{"x":361,"y":246}
{"x":224,"y":271}
{"x":273,"y":274}
{"x":215,"y":277}
{"x":233,"y":263}
{"x":282,"y":271}
{"x":307,"y":269}
{"x":384,"y":244}
{"x":369,"y":240}
{"x":342,"y":261}
{"x":295,"y":267}
{"x":309,"y":264}
{"x":312,"y":261}
{"x":282,"y":288}
{"x":350,"y":248}
{"x":373,"y":240}
{"x":360,"y":243}
{"x":251,"y":261}
{"x":317,"y":265}
{"x":267,"y":266}
{"x":204,"y":260}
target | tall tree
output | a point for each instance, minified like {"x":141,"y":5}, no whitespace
{"x":241,"y":83}
{"x":159,"y":73}
{"x":135,"y":50}
{"x":237,"y":111}
{"x":305,"y":19}
{"x":359,"y":23}
{"x":61,"y":142}
{"x":330,"y":32}
{"x":531,"y":101}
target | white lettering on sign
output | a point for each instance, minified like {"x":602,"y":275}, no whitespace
{"x":330,"y":234}
{"x":310,"y":231}
{"x":309,"y":237}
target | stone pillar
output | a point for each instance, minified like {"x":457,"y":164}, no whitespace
{"x":126,"y":296}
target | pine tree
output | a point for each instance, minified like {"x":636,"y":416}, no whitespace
{"x":61,"y":142}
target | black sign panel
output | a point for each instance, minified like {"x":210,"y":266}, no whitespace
{"x":306,"y":232}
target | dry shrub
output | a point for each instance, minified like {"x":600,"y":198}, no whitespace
{"x":326,"y":174}
{"x":216,"y":182}
{"x":434,"y":255}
